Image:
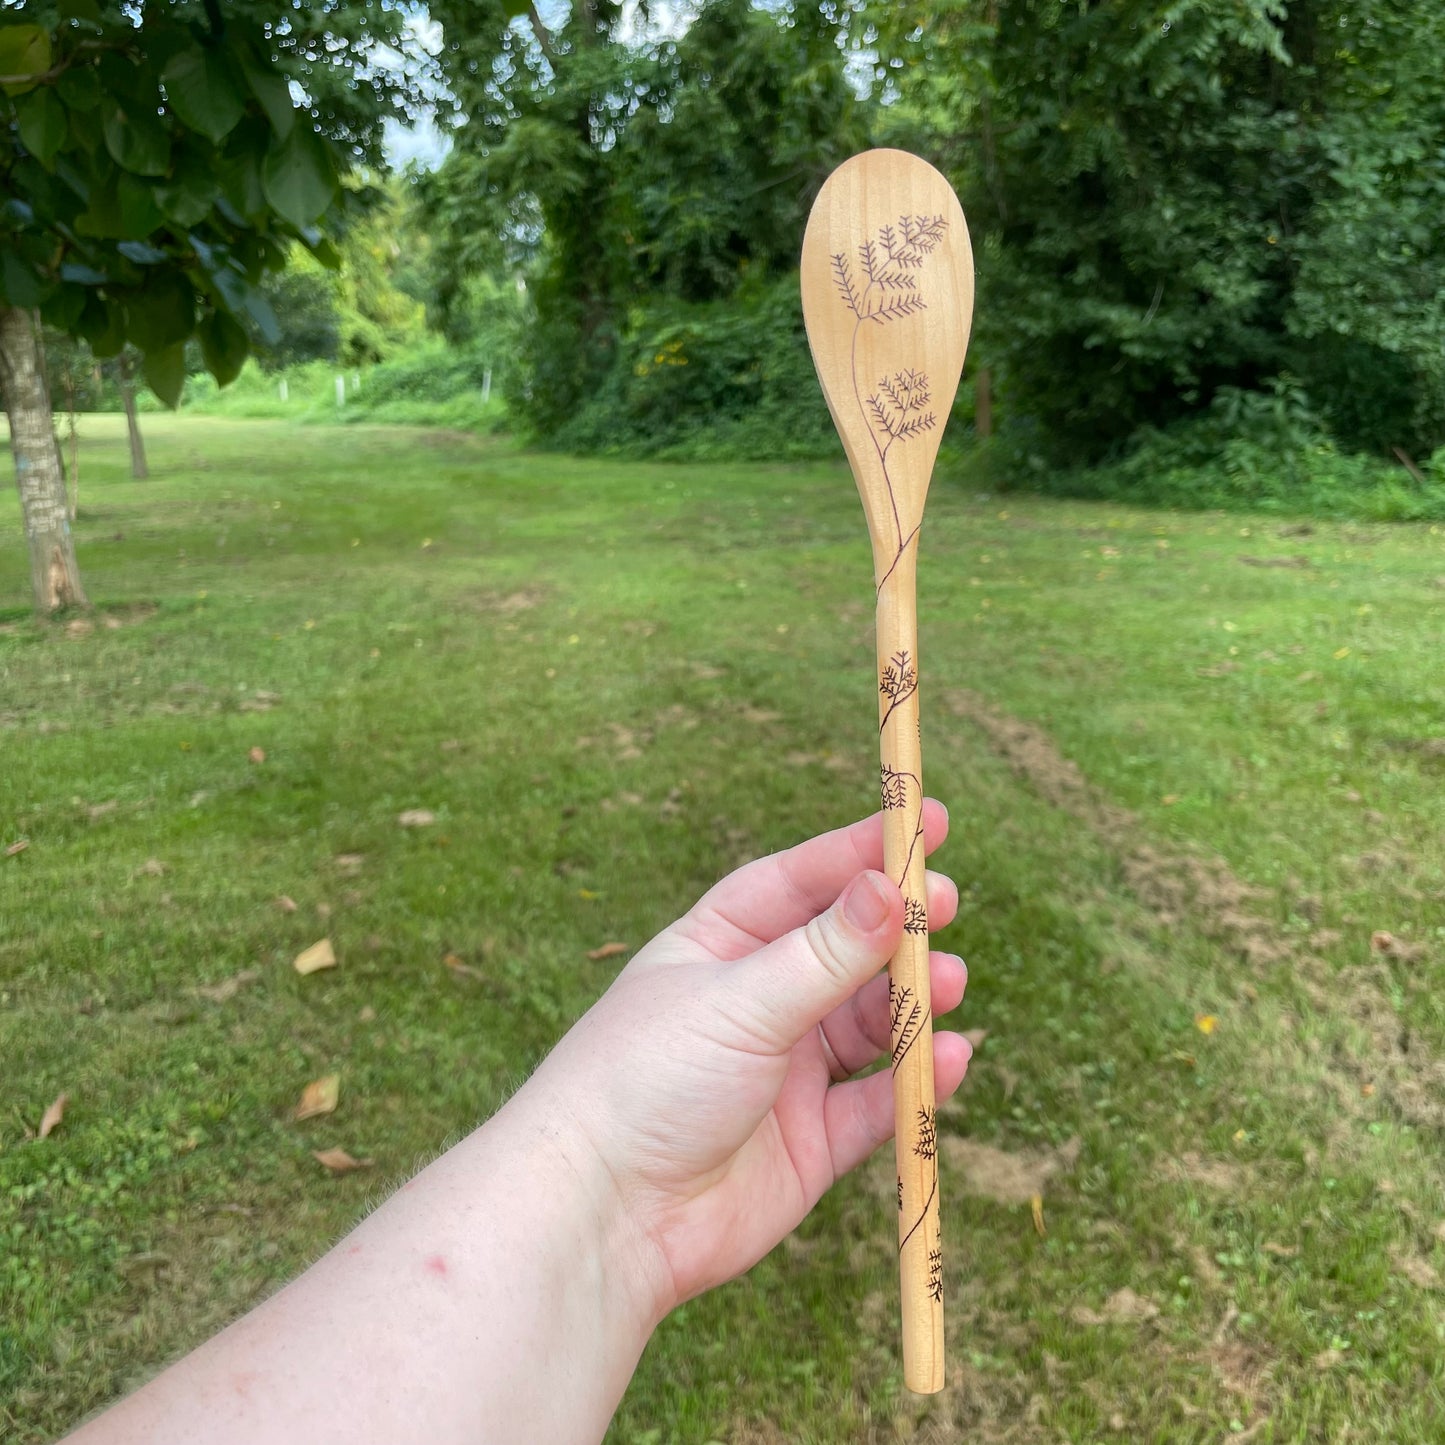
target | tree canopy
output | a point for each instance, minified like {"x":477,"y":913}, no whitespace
{"x":158,"y":160}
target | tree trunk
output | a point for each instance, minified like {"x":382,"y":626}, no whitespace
{"x":54,"y":575}
{"x":138,"y":469}
{"x":73,"y":440}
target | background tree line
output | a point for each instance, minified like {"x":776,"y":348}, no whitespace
{"x":1207,"y":236}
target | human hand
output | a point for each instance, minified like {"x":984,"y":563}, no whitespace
{"x":712,"y":1078}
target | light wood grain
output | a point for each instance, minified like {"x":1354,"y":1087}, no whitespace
{"x":887,"y":278}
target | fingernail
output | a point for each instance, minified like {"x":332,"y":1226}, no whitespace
{"x":866,"y":904}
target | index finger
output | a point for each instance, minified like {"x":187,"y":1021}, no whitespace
{"x":767,"y":898}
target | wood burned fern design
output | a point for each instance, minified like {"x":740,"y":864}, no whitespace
{"x":935,"y":1275}
{"x":888,"y":287}
{"x":898,"y":683}
{"x":896,"y":407}
{"x":926,"y":1145}
{"x":883,"y":286}
{"x":906,"y":1018}
{"x":915,"y":916}
{"x":895,"y":787}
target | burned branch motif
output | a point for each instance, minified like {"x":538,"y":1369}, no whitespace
{"x":895,"y":787}
{"x":926,"y":1145}
{"x":897,"y":406}
{"x":843,"y":280}
{"x":889,"y":290}
{"x":935,"y":1275}
{"x":915,"y":916}
{"x":898,"y":683}
{"x":905,"y":1019}
{"x":900,"y":1194}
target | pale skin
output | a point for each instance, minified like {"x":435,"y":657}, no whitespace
{"x":679,"y":1131}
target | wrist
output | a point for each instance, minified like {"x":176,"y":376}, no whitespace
{"x":558,"y":1140}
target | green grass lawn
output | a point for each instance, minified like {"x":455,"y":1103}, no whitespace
{"x":1195,"y":768}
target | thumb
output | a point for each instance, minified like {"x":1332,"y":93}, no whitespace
{"x":790,"y":986}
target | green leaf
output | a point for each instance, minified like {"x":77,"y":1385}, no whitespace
{"x":78,"y":274}
{"x":190,"y":193}
{"x":240,"y":177}
{"x":298,"y":176}
{"x":19,"y":285}
{"x":101,"y":216}
{"x":141,"y":252}
{"x":102,"y":324}
{"x":17,"y":212}
{"x":137,"y":142}
{"x":87,"y":10}
{"x":79,"y":87}
{"x":224,"y":346}
{"x":271,"y":89}
{"x":165,"y":370}
{"x":514,"y":8}
{"x":63,"y":307}
{"x":161,"y":313}
{"x":43,"y":124}
{"x":200,"y":90}
{"x":24,"y":51}
{"x":139,"y":214}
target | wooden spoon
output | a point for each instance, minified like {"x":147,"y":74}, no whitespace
{"x":887,"y":275}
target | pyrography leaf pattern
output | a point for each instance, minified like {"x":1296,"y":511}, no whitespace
{"x":905,"y":1019}
{"x":926,"y":1145}
{"x":895,"y":787}
{"x":935,"y":1274}
{"x":915,"y":916}
{"x":886,"y":289}
{"x":898,"y":683}
{"x":890,"y":290}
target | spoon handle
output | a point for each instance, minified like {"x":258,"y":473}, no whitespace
{"x":910,"y":1011}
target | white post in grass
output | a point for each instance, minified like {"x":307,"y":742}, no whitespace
{"x":340,"y":392}
{"x":486,"y":385}
{"x":284,"y":390}
{"x":356,"y":381}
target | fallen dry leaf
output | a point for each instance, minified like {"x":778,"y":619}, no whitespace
{"x":975,"y":1036}
{"x":1206,"y":1023}
{"x":151,"y":868}
{"x":51,"y":1118}
{"x":285,"y":904}
{"x":588,"y":895}
{"x":1123,"y":1307}
{"x":1386,"y":943}
{"x":318,"y":956}
{"x":228,"y":988}
{"x":367,"y":1015}
{"x":1279,"y":1251}
{"x":257,"y":755}
{"x":349,"y":863}
{"x":461,"y":969}
{"x":101,"y":810}
{"x":1036,"y":1205}
{"x":18,"y":846}
{"x":606,"y":950}
{"x":320,"y":1096}
{"x":416,"y":818}
{"x":1169,"y":799}
{"x":338,"y":1161}
{"x":760,"y":715}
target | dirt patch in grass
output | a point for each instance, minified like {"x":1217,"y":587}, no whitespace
{"x":1007,"y":1178}
{"x":1183,"y":886}
{"x":502,"y":603}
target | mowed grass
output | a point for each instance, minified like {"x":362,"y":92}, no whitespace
{"x":610,"y":683}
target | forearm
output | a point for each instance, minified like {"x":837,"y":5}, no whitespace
{"x":498,"y":1296}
